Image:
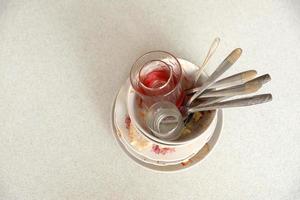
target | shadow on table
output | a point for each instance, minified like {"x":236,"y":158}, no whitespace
{"x":111,"y":42}
{"x":3,"y":6}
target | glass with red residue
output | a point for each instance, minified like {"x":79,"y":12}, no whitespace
{"x":156,"y":76}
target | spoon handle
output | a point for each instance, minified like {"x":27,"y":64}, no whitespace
{"x":212,"y":100}
{"x":260,"y":79}
{"x":246,"y":88}
{"x":233,"y":91}
{"x":224,"y":66}
{"x":235,"y":79}
{"x":248,"y":101}
{"x":213,"y":47}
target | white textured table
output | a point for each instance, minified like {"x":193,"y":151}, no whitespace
{"x":62,"y":62}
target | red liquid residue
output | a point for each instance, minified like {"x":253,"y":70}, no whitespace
{"x":180,"y":99}
{"x":159,"y":78}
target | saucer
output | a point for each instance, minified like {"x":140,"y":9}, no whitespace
{"x":143,"y":148}
{"x":153,"y":155}
{"x":164,"y":166}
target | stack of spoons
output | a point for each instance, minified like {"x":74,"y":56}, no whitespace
{"x":211,"y":95}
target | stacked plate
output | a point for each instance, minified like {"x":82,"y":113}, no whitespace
{"x":145,"y":149}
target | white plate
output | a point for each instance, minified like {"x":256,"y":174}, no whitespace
{"x":142,"y":158}
{"x":149,"y":151}
{"x":168,"y":166}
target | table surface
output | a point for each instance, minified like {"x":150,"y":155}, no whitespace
{"x":62,"y":63}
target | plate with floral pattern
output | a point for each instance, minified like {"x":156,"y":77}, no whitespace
{"x":165,"y":166}
{"x":144,"y":149}
{"x":138,"y":143}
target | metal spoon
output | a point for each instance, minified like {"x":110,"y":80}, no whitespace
{"x":253,"y":85}
{"x":224,"y":66}
{"x":246,"y":88}
{"x":247,"y":101}
{"x":233,"y":80}
{"x":213,"y":47}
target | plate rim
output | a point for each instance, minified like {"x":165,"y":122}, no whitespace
{"x":164,"y":168}
{"x":176,"y":167}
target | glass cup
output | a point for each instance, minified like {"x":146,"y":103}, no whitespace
{"x":156,"y":76}
{"x":157,"y":117}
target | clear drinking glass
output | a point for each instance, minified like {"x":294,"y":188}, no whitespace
{"x":157,"y":116}
{"x":156,"y":76}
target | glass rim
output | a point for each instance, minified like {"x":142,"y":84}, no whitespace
{"x":154,"y":124}
{"x":160,"y":87}
{"x":157,"y":51}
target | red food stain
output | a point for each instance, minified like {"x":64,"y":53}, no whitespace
{"x":140,"y":102}
{"x":158,"y":150}
{"x":127,"y":121}
{"x":186,"y":162}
